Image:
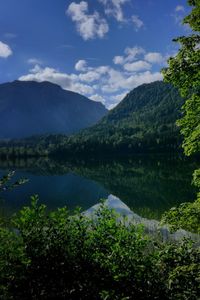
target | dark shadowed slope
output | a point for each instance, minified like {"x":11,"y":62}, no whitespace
{"x":32,"y":108}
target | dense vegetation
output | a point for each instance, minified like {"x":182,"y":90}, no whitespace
{"x":145,"y":121}
{"x":184,"y":73}
{"x":56,"y":255}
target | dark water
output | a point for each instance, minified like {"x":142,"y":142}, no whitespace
{"x":148,"y":185}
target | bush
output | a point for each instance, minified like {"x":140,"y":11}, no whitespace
{"x":56,"y":255}
{"x":185,"y":216}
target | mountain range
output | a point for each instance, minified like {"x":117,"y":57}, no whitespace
{"x":33,"y":108}
{"x":144,"y":121}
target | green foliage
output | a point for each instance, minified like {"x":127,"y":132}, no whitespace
{"x":196,"y":178}
{"x":62,"y":256}
{"x":13,"y":262}
{"x":184,"y":73}
{"x":186,"y":216}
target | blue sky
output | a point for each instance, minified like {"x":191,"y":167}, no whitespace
{"x":99,"y":48}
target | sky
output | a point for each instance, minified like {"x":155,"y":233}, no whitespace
{"x":99,"y":48}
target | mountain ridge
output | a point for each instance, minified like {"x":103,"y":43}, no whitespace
{"x":36,"y":108}
{"x":144,"y":120}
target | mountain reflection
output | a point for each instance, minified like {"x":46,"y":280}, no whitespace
{"x":148,"y":185}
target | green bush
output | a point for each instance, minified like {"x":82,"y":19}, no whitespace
{"x":185,"y":216}
{"x":56,"y":255}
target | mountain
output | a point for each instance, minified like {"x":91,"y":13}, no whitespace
{"x":145,"y":120}
{"x":32,"y":108}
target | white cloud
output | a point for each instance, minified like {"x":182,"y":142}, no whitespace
{"x":89,"y":26}
{"x":48,"y":74}
{"x":5,"y":50}
{"x":103,"y":69}
{"x":178,"y":15}
{"x":90,"y":76}
{"x":138,"y":23}
{"x":131,"y":54}
{"x":154,"y":57}
{"x":120,"y":97}
{"x":81,"y":65}
{"x":118,"y":60}
{"x":144,"y":77}
{"x":97,"y":98}
{"x":115,"y":99}
{"x":34,"y":61}
{"x":66,"y":81}
{"x":104,"y":83}
{"x":114,"y":8}
{"x":82,"y":88}
{"x":180,"y":8}
{"x":120,"y":81}
{"x":137,"y":66}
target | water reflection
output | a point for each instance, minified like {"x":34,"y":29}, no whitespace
{"x":148,"y":185}
{"x":152,"y":227}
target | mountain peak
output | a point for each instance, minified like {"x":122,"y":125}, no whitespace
{"x":36,"y":108}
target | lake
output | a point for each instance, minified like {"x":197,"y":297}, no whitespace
{"x":149,"y":185}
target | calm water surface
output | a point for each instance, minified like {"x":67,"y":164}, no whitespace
{"x":149,"y":185}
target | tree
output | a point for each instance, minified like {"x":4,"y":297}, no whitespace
{"x":184,"y":73}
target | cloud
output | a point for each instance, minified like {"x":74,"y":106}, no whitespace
{"x":118,"y":60}
{"x":5,"y":50}
{"x":89,"y":26}
{"x":154,"y":57}
{"x":81,"y":65}
{"x":10,"y":35}
{"x":97,"y":98}
{"x":114,"y":8}
{"x":179,"y":8}
{"x":119,"y":81}
{"x":137,"y":66}
{"x":131,"y":54}
{"x":115,"y":99}
{"x":120,"y":97}
{"x":66,"y":81}
{"x":105,"y":83}
{"x":34,"y":61}
{"x":48,"y":74}
{"x":138,"y":23}
{"x":178,"y":15}
{"x":90,"y":76}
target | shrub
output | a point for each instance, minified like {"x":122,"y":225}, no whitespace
{"x":56,"y":255}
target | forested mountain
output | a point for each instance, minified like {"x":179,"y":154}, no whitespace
{"x":144,"y":120}
{"x":32,"y":108}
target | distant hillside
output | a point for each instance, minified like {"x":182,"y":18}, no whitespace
{"x":32,"y":108}
{"x":145,"y":120}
